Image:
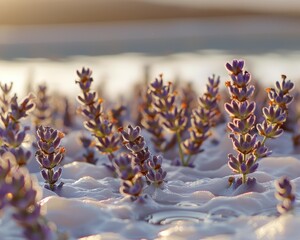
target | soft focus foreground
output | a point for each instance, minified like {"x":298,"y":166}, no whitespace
{"x":154,"y":167}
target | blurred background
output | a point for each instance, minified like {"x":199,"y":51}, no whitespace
{"x":127,"y":41}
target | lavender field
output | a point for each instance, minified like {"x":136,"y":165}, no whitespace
{"x":147,"y":119}
{"x":172,"y":160}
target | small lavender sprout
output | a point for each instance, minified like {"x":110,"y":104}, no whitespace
{"x":17,"y":190}
{"x":132,"y":182}
{"x":155,"y":175}
{"x":136,"y":144}
{"x":284,"y":194}
{"x":49,"y":155}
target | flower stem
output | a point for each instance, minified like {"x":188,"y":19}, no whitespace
{"x":244,"y":179}
{"x":180,"y":149}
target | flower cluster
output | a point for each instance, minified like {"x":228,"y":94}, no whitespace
{"x":276,"y":114}
{"x":42,"y":110}
{"x":49,"y":155}
{"x":17,"y":190}
{"x":151,"y":122}
{"x":89,"y":155}
{"x":241,"y":111}
{"x":155,"y":175}
{"x":245,"y":141}
{"x":284,"y":193}
{"x":5,"y":97}
{"x":136,"y":144}
{"x":133,"y":166}
{"x":132,"y":182}
{"x":202,"y":119}
{"x":100,"y":127}
{"x":12,"y":133}
{"x":170,"y":116}
{"x":162,"y":105}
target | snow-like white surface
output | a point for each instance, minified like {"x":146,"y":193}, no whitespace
{"x":194,"y":203}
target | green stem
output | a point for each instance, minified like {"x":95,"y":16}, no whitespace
{"x":180,"y":149}
{"x":51,"y":185}
{"x":244,"y":179}
{"x":187,"y":160}
{"x":264,"y":140}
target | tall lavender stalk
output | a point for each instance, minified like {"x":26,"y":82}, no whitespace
{"x":203,"y":118}
{"x":96,"y":122}
{"x":17,"y":190}
{"x":242,"y":125}
{"x":171,"y":116}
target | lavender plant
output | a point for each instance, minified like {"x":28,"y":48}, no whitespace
{"x":242,"y":125}
{"x":136,"y":144}
{"x":100,"y":127}
{"x":49,"y":155}
{"x":132,"y":182}
{"x":284,"y":193}
{"x":18,"y":191}
{"x":175,"y":120}
{"x":140,"y":156}
{"x":5,"y":97}
{"x":42,"y":112}
{"x":89,"y":155}
{"x":155,"y":175}
{"x":203,"y":118}
{"x":12,"y":132}
{"x":151,"y":122}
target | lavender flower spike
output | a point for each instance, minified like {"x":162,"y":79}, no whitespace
{"x":284,"y":194}
{"x":50,"y":154}
{"x":241,"y":111}
{"x":18,"y":191}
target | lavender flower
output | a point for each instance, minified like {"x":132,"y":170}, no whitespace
{"x":5,"y":97}
{"x":203,"y":118}
{"x":129,"y":173}
{"x":136,"y":144}
{"x":152,"y":124}
{"x":155,"y":175}
{"x":162,"y":105}
{"x":50,"y":154}
{"x":284,"y":194}
{"x":99,"y":126}
{"x":241,"y":111}
{"x":17,"y":190}
{"x":42,"y":111}
{"x":276,"y":114}
{"x":89,"y":155}
{"x":12,"y":132}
